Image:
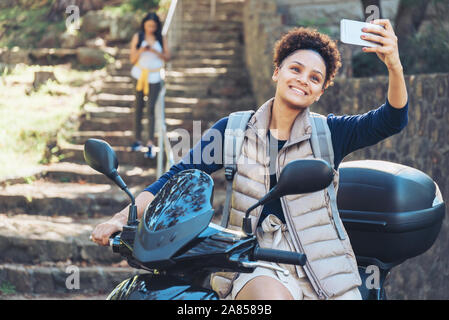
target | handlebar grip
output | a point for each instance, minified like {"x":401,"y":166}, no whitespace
{"x":114,"y":241}
{"x":279,"y":256}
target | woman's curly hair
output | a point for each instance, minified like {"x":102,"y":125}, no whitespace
{"x":306,"y":38}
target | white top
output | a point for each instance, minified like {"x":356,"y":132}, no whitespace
{"x":149,"y":60}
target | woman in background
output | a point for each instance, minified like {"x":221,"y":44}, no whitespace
{"x":149,"y":51}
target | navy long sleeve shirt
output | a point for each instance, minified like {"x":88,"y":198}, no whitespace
{"x":349,"y":133}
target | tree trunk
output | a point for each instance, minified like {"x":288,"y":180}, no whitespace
{"x":408,"y":19}
{"x":58,"y":9}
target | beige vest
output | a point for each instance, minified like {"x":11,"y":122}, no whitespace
{"x":331,"y":266}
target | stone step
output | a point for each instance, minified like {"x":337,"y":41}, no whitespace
{"x":210,"y":36}
{"x":39,"y":239}
{"x":184,"y":60}
{"x":204,"y":63}
{"x":119,"y":90}
{"x":200,"y":72}
{"x":113,"y":80}
{"x":207,"y":2}
{"x":207,"y":49}
{"x":81,"y":173}
{"x":211,"y":80}
{"x":202,"y":90}
{"x":213,"y":45}
{"x":75,"y":153}
{"x":231,"y":71}
{"x":127,"y":114}
{"x":123,"y":147}
{"x":32,"y":279}
{"x":92,"y":111}
{"x":43,"y":197}
{"x":198,"y":91}
{"x":208,"y":91}
{"x":108,"y":124}
{"x":181,"y":112}
{"x":52,"y":296}
{"x":114,"y":100}
{"x":210,"y":47}
{"x":212,"y":53}
{"x":181,"y":104}
{"x":203,"y":13}
{"x":114,"y":138}
{"x":210,"y":24}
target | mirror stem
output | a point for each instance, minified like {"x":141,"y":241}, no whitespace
{"x":247,"y":227}
{"x":132,"y":215}
{"x":272,"y":194}
{"x":130,"y":195}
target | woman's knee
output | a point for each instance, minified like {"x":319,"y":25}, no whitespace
{"x":264,"y":288}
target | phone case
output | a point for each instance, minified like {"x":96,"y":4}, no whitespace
{"x":350,"y":32}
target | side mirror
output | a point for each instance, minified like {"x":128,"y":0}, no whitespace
{"x":303,"y":176}
{"x":299,"y":176}
{"x":101,"y":157}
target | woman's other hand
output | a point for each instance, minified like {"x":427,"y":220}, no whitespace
{"x":104,"y":230}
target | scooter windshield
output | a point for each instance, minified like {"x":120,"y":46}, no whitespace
{"x":187,"y":195}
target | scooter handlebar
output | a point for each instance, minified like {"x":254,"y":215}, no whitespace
{"x":279,"y":256}
{"x":114,"y":242}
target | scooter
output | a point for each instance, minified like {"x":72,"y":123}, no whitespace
{"x":391,"y":213}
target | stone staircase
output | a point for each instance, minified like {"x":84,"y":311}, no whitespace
{"x":45,"y":223}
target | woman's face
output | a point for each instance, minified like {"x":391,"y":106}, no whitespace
{"x":150,"y":26}
{"x":300,"y":79}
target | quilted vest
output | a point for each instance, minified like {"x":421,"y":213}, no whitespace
{"x":331,"y":266}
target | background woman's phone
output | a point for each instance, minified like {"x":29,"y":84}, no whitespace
{"x":350,"y":32}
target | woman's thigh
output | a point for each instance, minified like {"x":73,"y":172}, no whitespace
{"x":264,"y":288}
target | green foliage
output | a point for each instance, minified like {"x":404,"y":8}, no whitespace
{"x":144,"y":5}
{"x":367,"y":65}
{"x":7,"y":288}
{"x":133,"y":6}
{"x":424,"y":52}
{"x":427,"y":52}
{"x":29,"y":123}
{"x":26,"y":27}
{"x":321,"y":24}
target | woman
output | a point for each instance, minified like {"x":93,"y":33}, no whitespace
{"x":306,"y":63}
{"x":149,"y":51}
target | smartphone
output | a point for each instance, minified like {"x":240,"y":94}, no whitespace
{"x":350,"y":32}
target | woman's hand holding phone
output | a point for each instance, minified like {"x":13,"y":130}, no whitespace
{"x":388,"y":51}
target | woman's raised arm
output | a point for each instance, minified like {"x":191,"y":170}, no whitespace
{"x":388,"y":53}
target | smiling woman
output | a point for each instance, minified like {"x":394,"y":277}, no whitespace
{"x":306,"y":63}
